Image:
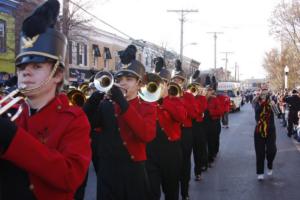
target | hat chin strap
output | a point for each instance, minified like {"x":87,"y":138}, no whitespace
{"x":34,"y":90}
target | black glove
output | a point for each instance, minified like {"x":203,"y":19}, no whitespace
{"x":90,"y":108}
{"x":93,"y":102}
{"x":118,"y":97}
{"x":7,"y":133}
{"x":95,"y":98}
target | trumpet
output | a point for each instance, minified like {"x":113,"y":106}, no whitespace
{"x":174,"y":89}
{"x":193,"y":88}
{"x":104,"y":81}
{"x":152,"y":90}
{"x":10,"y":100}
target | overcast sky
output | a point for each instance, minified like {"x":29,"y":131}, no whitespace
{"x":244,"y":23}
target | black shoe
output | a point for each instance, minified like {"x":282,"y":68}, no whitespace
{"x":203,"y":169}
{"x":186,"y":198}
{"x":198,"y":177}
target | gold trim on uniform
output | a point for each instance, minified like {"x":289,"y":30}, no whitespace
{"x":37,"y":53}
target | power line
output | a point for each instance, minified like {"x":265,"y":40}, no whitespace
{"x":226,"y":62}
{"x":102,"y":21}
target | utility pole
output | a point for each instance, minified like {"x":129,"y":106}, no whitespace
{"x":236,"y":72}
{"x":215,"y":46}
{"x":226,"y":62}
{"x":65,"y":30}
{"x":182,"y":20}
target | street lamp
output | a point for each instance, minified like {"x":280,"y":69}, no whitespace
{"x":192,"y":43}
{"x":286,"y":72}
{"x":188,"y":44}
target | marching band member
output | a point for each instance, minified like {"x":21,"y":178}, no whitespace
{"x":164,"y":152}
{"x":219,"y":116}
{"x":264,"y":134}
{"x":199,"y":130}
{"x":124,"y":124}
{"x":225,"y":104}
{"x":45,"y":154}
{"x":212,"y":118}
{"x":187,"y":133}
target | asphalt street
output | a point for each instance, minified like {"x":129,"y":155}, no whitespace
{"x":233,"y":176}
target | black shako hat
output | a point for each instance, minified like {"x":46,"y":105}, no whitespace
{"x":39,"y":41}
{"x":131,"y":66}
{"x":178,"y":70}
{"x":196,"y":79}
{"x":161,"y":70}
{"x":211,"y":82}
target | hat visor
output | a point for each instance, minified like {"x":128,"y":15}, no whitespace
{"x":127,"y":73}
{"x":179,"y":76}
{"x":32,"y":59}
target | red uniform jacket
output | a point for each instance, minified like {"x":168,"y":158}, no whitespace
{"x":137,"y":127}
{"x":214,"y":108}
{"x":227,"y":103}
{"x":171,"y":114}
{"x":202,"y":103}
{"x":53,"y":147}
{"x":221,"y":99}
{"x":191,"y":107}
{"x":224,"y":103}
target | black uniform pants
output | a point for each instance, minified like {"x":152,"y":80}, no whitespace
{"x":164,"y":167}
{"x":212,"y":138}
{"x":122,"y":180}
{"x":264,"y":148}
{"x":79,"y":195}
{"x":187,"y":146}
{"x":199,"y":147}
{"x":218,"y":124}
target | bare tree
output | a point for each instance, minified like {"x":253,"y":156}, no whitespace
{"x":24,"y":9}
{"x":274,"y":64}
{"x":285,"y":26}
{"x":74,"y":15}
{"x":285,"y":23}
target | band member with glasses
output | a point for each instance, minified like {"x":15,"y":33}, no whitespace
{"x":45,"y":152}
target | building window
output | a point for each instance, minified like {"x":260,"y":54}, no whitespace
{"x":107,"y":57}
{"x":96,"y":53}
{"x":70,"y":49}
{"x":96,"y":50}
{"x":107,"y":54}
{"x":2,"y":36}
{"x":81,"y":53}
